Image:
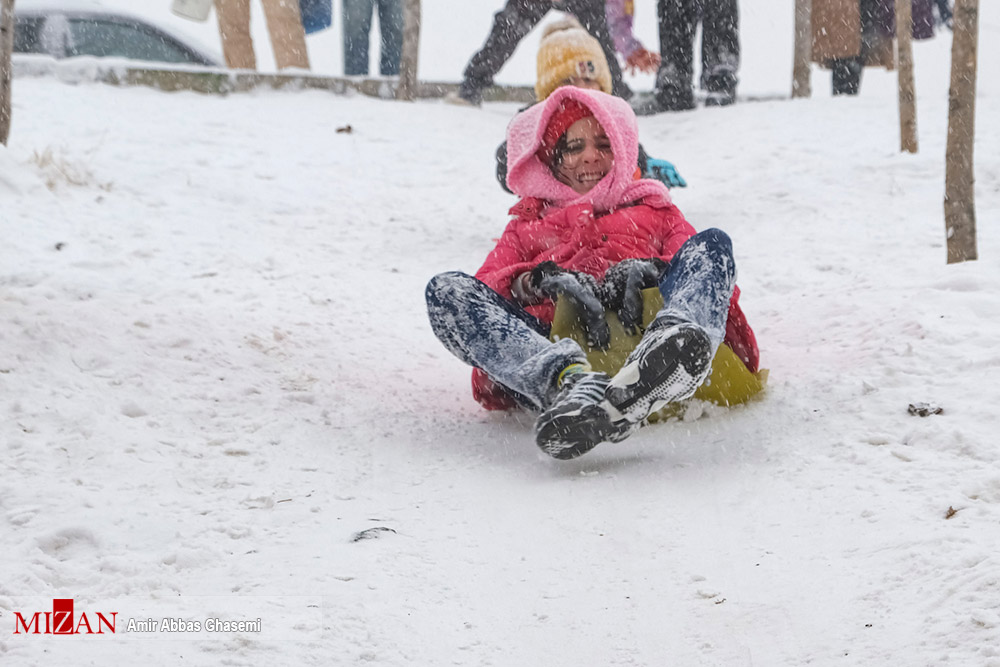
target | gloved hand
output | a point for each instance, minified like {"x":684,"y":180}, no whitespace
{"x":622,"y":288}
{"x":642,"y":60}
{"x":555,"y":282}
{"x":664,"y":172}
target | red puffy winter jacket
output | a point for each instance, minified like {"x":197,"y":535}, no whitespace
{"x":575,"y":239}
{"x":619,"y":218}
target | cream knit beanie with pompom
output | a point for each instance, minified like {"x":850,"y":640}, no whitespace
{"x":567,"y":51}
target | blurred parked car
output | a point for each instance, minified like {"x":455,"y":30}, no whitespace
{"x":67,"y":29}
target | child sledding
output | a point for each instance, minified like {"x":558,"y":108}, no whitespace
{"x":589,"y":232}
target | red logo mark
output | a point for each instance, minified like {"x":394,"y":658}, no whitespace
{"x":62,"y":620}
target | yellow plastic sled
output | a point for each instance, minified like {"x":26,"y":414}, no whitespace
{"x":730,"y":382}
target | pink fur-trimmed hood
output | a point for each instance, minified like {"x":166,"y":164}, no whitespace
{"x":528,"y":176}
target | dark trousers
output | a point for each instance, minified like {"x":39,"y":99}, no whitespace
{"x":720,"y":46}
{"x":515,"y":20}
{"x":847,"y":71}
{"x":358,"y":25}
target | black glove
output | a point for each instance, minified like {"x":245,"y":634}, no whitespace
{"x":622,"y":288}
{"x":555,"y":282}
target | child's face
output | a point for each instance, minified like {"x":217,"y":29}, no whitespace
{"x":583,"y":156}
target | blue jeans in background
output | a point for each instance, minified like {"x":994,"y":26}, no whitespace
{"x":358,"y":25}
{"x":487,"y":331}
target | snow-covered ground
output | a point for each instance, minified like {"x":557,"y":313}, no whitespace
{"x":216,"y":371}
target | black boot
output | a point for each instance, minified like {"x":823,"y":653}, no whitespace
{"x":847,"y":76}
{"x":721,"y":87}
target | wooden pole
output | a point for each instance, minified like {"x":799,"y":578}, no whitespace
{"x":6,"y":46}
{"x":407,"y":89}
{"x":907,"y":92}
{"x":960,"y":180}
{"x":803,"y":49}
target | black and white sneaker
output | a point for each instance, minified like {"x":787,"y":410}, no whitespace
{"x":667,"y":365}
{"x":576,"y":422}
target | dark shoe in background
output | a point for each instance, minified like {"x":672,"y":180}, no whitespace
{"x":720,"y":86}
{"x":673,"y":90}
{"x":648,"y":104}
{"x":671,"y":97}
{"x":847,"y":76}
{"x":467,"y":95}
{"x":720,"y":99}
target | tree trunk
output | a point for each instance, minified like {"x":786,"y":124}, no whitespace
{"x":803,"y":49}
{"x":6,"y":46}
{"x":407,"y":89}
{"x":907,"y":92}
{"x":959,"y":183}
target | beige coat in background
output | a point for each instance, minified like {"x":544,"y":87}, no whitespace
{"x":284,"y":23}
{"x":836,"y":33}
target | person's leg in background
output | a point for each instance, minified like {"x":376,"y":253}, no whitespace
{"x":356,"y":27}
{"x":288,"y":36}
{"x":846,"y":75}
{"x":510,"y":25}
{"x":678,"y":19}
{"x":720,"y":50}
{"x":592,"y":17}
{"x":847,"y":71}
{"x":869,"y":33}
{"x":234,"y":29}
{"x":390,"y":21}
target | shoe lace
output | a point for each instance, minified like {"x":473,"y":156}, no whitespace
{"x":587,"y":387}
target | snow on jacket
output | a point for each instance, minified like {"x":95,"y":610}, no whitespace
{"x":619,"y":218}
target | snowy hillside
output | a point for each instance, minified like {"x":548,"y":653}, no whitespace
{"x":216,"y":375}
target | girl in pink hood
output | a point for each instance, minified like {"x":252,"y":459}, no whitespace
{"x":587,"y":230}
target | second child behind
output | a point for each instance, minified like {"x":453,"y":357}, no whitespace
{"x":569,"y":56}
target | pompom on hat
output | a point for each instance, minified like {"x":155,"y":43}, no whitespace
{"x":567,"y":51}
